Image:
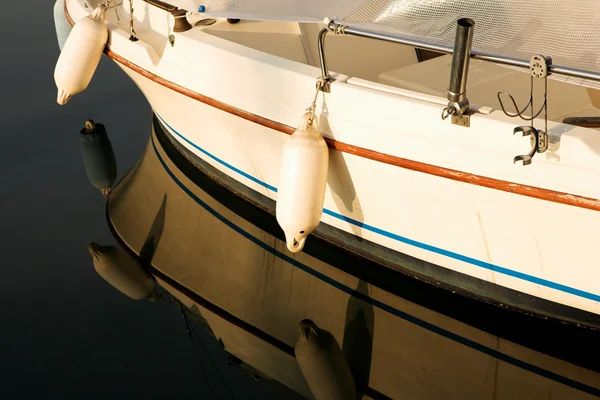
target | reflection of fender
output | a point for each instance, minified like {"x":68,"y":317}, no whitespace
{"x":98,"y":156}
{"x":323,"y":364}
{"x":122,"y":271}
{"x":61,"y":24}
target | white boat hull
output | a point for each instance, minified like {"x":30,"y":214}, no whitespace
{"x":533,"y":246}
{"x":458,"y":201}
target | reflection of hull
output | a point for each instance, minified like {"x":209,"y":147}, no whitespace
{"x":403,"y":183}
{"x":225,"y":257}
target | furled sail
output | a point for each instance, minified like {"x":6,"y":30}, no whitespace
{"x":567,"y":31}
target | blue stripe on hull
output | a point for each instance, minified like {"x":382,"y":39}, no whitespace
{"x":375,"y":303}
{"x":411,"y":242}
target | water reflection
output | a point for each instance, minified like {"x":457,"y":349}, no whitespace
{"x":98,"y":156}
{"x":358,"y":335}
{"x":221,"y":262}
{"x":155,"y":233}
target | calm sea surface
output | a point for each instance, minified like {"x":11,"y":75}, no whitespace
{"x":66,"y":333}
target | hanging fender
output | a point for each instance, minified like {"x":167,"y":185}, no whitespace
{"x":80,"y":55}
{"x":302,"y":182}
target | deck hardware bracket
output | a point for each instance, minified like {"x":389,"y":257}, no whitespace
{"x":462,"y":120}
{"x":538,"y":69}
{"x":458,"y":104}
{"x":324,"y":82}
{"x":538,"y":140}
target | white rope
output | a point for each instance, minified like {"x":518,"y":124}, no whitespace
{"x":313,"y":105}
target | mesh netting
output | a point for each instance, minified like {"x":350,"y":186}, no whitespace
{"x":567,"y":31}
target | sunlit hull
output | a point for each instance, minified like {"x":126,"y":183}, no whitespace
{"x":433,"y":200}
{"x":215,"y":252}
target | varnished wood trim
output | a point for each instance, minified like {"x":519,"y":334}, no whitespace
{"x":162,"y":5}
{"x":511,"y":187}
{"x":200,"y":97}
{"x":587,"y":122}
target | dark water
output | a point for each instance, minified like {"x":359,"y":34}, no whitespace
{"x":65,"y":333}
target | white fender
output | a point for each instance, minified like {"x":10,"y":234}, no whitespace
{"x":80,"y":55}
{"x":302,"y":182}
{"x":122,"y":271}
{"x":323,"y":364}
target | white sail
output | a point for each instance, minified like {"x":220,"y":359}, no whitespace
{"x":566,"y":31}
